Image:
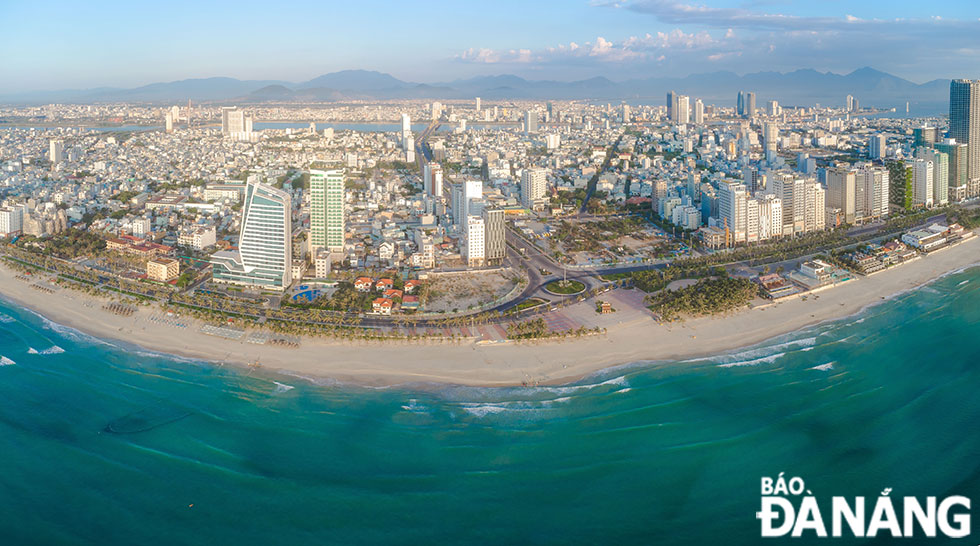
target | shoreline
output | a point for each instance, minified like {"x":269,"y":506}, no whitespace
{"x":550,"y":362}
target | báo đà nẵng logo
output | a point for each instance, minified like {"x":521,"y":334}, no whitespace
{"x":790,"y":509}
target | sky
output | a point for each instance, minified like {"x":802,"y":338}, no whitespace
{"x":80,"y":45}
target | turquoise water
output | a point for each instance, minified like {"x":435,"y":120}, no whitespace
{"x":652,"y":453}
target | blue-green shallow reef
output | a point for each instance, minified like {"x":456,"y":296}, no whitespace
{"x":103,"y":444}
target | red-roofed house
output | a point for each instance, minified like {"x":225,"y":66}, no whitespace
{"x":363,"y":284}
{"x":391,"y":293}
{"x":412,"y":285}
{"x":384,"y":284}
{"x":382,"y":306}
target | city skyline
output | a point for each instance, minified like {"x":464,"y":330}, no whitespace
{"x":551,"y":40}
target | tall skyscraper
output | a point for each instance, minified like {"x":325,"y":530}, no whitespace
{"x":745,"y":107}
{"x":264,"y":255}
{"x":841,"y":193}
{"x":922,"y":182}
{"x":327,"y":223}
{"x":732,"y":204}
{"x":698,"y":112}
{"x":683,"y":112}
{"x":530,"y":122}
{"x":478,"y":104}
{"x":871,"y":190}
{"x":957,"y":171}
{"x":494,"y":236}
{"x":940,"y":173}
{"x":406,"y":131}
{"x":475,"y":241}
{"x":671,"y":104}
{"x":464,"y":194}
{"x":964,"y":126}
{"x":924,"y":136}
{"x":770,"y":140}
{"x":849,"y":103}
{"x":534,"y":185}
{"x":876,"y":146}
{"x":56,"y":152}
{"x":168,"y":121}
{"x":626,"y":113}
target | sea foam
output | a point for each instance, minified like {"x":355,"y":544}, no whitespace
{"x":4,"y":361}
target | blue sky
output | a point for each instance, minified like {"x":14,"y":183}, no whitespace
{"x":59,"y":45}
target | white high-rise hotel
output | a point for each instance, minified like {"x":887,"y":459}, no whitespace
{"x":534,"y":185}
{"x":264,"y":255}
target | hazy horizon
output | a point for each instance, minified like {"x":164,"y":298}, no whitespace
{"x":60,"y":45}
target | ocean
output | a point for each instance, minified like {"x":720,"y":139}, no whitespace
{"x":106,"y":444}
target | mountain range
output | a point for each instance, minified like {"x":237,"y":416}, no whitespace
{"x":800,"y":87}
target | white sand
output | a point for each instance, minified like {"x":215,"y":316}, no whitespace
{"x":394,"y":362}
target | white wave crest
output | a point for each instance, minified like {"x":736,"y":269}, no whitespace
{"x":6,"y":319}
{"x":963,"y":282}
{"x":824,"y":367}
{"x":282,"y":387}
{"x":754,"y":362}
{"x":52,"y":350}
{"x":4,"y":361}
{"x":760,"y":352}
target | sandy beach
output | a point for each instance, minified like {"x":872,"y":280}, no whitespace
{"x":546,"y":362}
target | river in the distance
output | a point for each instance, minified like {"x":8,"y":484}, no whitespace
{"x":108,"y":445}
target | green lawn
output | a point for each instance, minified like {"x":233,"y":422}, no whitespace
{"x":564,"y":287}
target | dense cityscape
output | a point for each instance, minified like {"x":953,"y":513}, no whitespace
{"x":471,"y":212}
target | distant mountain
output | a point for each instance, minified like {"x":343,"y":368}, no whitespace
{"x":356,"y":80}
{"x":804,"y":87}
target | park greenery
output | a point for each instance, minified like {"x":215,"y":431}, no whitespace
{"x":706,"y":297}
{"x":565,"y":287}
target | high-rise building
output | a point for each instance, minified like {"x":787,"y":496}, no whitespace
{"x":327,"y":222}
{"x":478,"y":104}
{"x":773,"y":108}
{"x":671,"y":104}
{"x":530,"y":122}
{"x":626,"y":113}
{"x":876,"y":146}
{"x":849,"y":103}
{"x":534,"y":185}
{"x":745,"y":106}
{"x":770,"y":140}
{"x":841,"y":192}
{"x":56,"y":152}
{"x":770,"y":217}
{"x":791,"y":192}
{"x":732,"y":204}
{"x":698,"y":112}
{"x":406,"y":131}
{"x":168,"y":122}
{"x":871,"y":193}
{"x":494,"y":236}
{"x":940,"y":173}
{"x":475,"y":241}
{"x":235,"y":124}
{"x":922,"y":182}
{"x":924,"y":136}
{"x":11,"y":220}
{"x":436,"y":110}
{"x":964,"y":124}
{"x":264,"y":255}
{"x":957,"y":172}
{"x":464,"y":194}
{"x":682,"y":115}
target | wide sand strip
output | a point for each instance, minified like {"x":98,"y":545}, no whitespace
{"x":546,"y":362}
